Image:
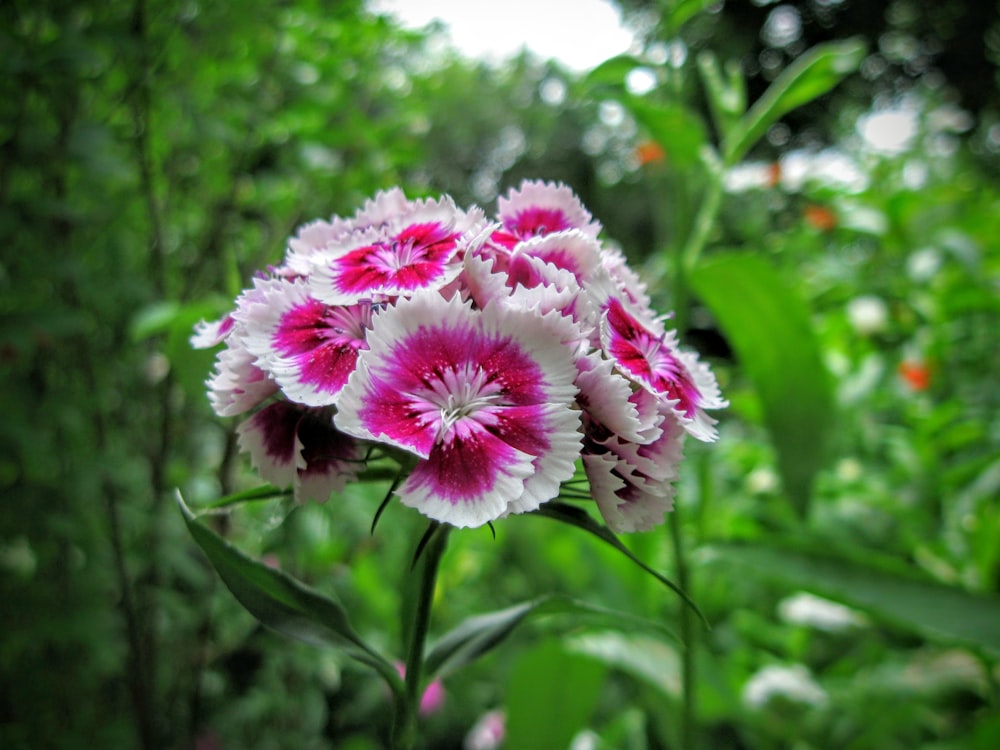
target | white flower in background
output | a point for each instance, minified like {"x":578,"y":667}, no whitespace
{"x":868,"y":314}
{"x":923,"y":264}
{"x":762,"y":480}
{"x":814,"y":611}
{"x":849,"y":469}
{"x":791,"y":682}
{"x":891,"y":131}
{"x":488,"y":732}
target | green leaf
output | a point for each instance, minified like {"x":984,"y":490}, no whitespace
{"x":807,"y":77}
{"x":680,"y":132}
{"x":550,"y":697}
{"x":880,"y":587}
{"x":264,"y":492}
{"x":175,"y":322}
{"x":770,"y":329}
{"x":284,"y":603}
{"x":641,"y":656}
{"x":612,"y":72}
{"x":682,"y":11}
{"x":574,"y":516}
{"x":154,"y":319}
{"x":480,"y":634}
{"x":726,"y":98}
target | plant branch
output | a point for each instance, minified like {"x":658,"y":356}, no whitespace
{"x":689,"y":637}
{"x":405,"y":725}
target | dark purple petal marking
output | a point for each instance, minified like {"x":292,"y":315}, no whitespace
{"x":536,"y":221}
{"x":325,"y":448}
{"x":278,"y":424}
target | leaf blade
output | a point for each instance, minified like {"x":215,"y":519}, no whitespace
{"x":903,"y":598}
{"x":567,"y":686}
{"x":283,"y":603}
{"x":478,"y":635}
{"x":573,"y":516}
{"x":808,"y":76}
{"x":770,"y":329}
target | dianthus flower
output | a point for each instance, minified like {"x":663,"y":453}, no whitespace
{"x":484,"y":398}
{"x":494,"y":361}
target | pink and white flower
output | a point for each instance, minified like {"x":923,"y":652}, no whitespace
{"x":238,"y":385}
{"x":654,"y":360}
{"x":310,"y":348}
{"x":539,"y":208}
{"x":488,"y":359}
{"x":421,"y":248}
{"x":211,"y":333}
{"x":482,"y":398}
{"x":632,"y":483}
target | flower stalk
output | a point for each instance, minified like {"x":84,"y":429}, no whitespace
{"x":685,"y":260}
{"x":405,"y":723}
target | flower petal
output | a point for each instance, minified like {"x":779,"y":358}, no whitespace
{"x":467,"y":480}
{"x":538,"y":208}
{"x":633,"y":484}
{"x":571,"y":250}
{"x":237,"y":385}
{"x":294,"y":446}
{"x":605,"y":396}
{"x":271,"y":438}
{"x":332,"y":459}
{"x":208,"y":334}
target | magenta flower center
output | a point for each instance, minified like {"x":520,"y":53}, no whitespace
{"x":420,"y":243}
{"x":533,"y":222}
{"x":310,"y":325}
{"x":458,"y":396}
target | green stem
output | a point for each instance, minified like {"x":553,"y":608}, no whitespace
{"x":708,"y":212}
{"x":405,"y":725}
{"x":689,"y":634}
{"x":685,"y":260}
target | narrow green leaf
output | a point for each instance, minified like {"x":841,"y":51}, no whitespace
{"x":676,"y":128}
{"x":153,"y":319}
{"x":770,"y":329}
{"x":878,"y":586}
{"x":682,"y":11}
{"x":574,"y":516}
{"x":474,"y":637}
{"x":807,"y":77}
{"x":264,"y":492}
{"x":726,"y":98}
{"x":642,"y":656}
{"x":284,"y":603}
{"x":612,"y":72}
{"x":432,"y":529}
{"x":550,"y":697}
{"x":478,"y":635}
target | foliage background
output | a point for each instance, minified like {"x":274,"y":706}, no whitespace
{"x":154,"y":154}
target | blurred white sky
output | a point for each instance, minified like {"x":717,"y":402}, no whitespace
{"x":579,"y":33}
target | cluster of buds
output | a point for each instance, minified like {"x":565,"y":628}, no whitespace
{"x":495,"y":359}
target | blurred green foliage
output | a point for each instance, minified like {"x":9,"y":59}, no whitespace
{"x":154,"y":154}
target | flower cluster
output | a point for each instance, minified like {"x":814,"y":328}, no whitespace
{"x":493,"y":358}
